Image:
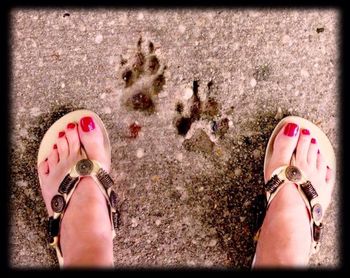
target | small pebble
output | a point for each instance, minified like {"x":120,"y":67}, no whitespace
{"x":140,"y":16}
{"x":158,"y":222}
{"x":140,"y":153}
{"x":212,"y":242}
{"x":187,"y":94}
{"x":134,"y":223}
{"x":182,"y":28}
{"x":99,"y":38}
{"x":179,"y":156}
{"x":279,"y":114}
{"x":238,"y":171}
{"x":256,"y":154}
{"x":253,"y":82}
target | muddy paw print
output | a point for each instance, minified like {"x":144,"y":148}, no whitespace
{"x":205,"y":115}
{"x":143,"y":76}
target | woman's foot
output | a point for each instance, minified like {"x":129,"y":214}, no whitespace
{"x":285,"y":237}
{"x":86,"y":232}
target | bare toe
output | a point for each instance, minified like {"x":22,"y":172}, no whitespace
{"x":62,"y":146}
{"x":312,"y":153}
{"x":73,"y":138}
{"x":303,"y":146}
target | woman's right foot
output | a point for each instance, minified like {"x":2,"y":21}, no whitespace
{"x":285,"y":237}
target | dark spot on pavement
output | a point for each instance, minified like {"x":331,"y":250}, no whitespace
{"x":152,"y":64}
{"x":157,"y":84}
{"x":141,"y":101}
{"x":199,"y":142}
{"x":134,"y":129}
{"x":150,"y":47}
{"x":262,"y":73}
{"x":179,"y":107}
{"x":183,"y":125}
{"x":127,"y":77}
{"x":320,"y":30}
{"x":66,"y":14}
{"x":211,"y":108}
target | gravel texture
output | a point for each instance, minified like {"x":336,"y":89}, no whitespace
{"x":188,"y":129}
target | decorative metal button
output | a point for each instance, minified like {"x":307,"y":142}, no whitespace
{"x":317,"y":212}
{"x":84,"y":167}
{"x":113,"y":199}
{"x":293,"y":174}
{"x":58,"y":203}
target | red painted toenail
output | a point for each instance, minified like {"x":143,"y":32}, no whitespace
{"x":46,"y":159}
{"x":328,"y":167}
{"x":291,"y":130}
{"x":55,"y":146}
{"x":305,"y":131}
{"x":87,"y":124}
{"x":313,"y":141}
{"x":318,"y":151}
{"x":61,"y":134}
{"x":71,"y":125}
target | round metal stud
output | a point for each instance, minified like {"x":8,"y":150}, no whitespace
{"x":317,"y":212}
{"x":84,"y":167}
{"x":58,"y":203}
{"x":293,"y":174}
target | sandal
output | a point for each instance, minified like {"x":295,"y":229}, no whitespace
{"x":83,"y":168}
{"x":294,"y":174}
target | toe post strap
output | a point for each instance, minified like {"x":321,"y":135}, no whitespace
{"x":309,"y":196}
{"x":59,"y":202}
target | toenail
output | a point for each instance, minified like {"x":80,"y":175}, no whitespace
{"x":87,"y":124}
{"x":313,"y":141}
{"x":291,"y":130}
{"x":318,"y":151}
{"x":328,"y":167}
{"x":46,"y":159}
{"x":71,"y":125}
{"x":305,"y":131}
{"x":55,"y":146}
{"x":61,"y":134}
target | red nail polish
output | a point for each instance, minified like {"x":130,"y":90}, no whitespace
{"x":55,"y":146}
{"x":291,"y":130}
{"x":318,"y":151}
{"x":328,"y":167}
{"x":313,"y":140}
{"x":61,"y":134}
{"x":71,"y":125}
{"x":87,"y":124}
{"x":305,"y":131}
{"x":46,"y":159}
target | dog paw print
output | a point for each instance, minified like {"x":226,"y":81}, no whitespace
{"x":195,"y":110}
{"x":143,"y":77}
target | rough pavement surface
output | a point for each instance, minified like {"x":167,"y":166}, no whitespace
{"x":190,"y":98}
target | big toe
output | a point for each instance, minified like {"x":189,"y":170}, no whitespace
{"x":92,"y":140}
{"x":284,"y":145}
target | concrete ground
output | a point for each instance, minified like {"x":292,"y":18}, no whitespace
{"x":188,"y":125}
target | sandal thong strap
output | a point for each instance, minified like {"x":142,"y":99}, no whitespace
{"x":59,"y":202}
{"x":308,"y":193}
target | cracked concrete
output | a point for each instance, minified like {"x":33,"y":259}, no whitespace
{"x":182,"y":206}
